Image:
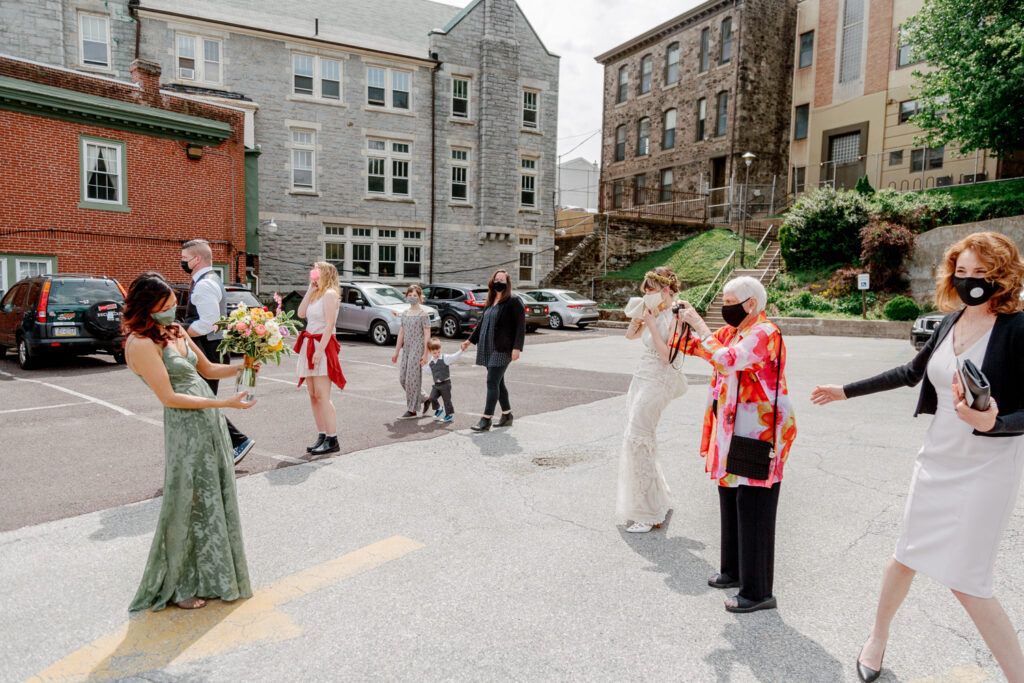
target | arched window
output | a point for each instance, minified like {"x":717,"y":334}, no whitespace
{"x":646,"y":69}
{"x":623,"y":83}
{"x":672,"y":64}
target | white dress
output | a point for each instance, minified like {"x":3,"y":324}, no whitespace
{"x":316,"y":323}
{"x":963,"y":490}
{"x":643,"y":495}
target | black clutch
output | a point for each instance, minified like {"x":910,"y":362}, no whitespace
{"x":977,"y":390}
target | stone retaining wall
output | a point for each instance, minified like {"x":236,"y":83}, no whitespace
{"x":827,"y":327}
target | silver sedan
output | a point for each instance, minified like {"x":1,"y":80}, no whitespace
{"x":566,"y":307}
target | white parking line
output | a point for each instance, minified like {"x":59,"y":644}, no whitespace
{"x":91,"y":399}
{"x":563,"y":386}
{"x":59,"y":405}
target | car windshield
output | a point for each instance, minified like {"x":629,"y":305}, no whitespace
{"x":236,"y":297}
{"x":573,"y":296}
{"x":83,"y":292}
{"x":525,"y":297}
{"x":384,"y":296}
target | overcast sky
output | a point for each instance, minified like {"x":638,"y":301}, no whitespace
{"x":577,"y":31}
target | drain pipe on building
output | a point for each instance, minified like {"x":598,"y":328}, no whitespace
{"x":433,"y":156}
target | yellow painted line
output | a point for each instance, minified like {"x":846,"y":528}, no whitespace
{"x":968,"y":673}
{"x":149,"y":641}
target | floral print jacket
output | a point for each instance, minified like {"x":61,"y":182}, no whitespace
{"x":752,"y":354}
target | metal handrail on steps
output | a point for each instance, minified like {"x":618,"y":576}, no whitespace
{"x":700,"y":302}
{"x":769,"y":267}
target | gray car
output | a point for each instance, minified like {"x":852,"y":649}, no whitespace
{"x":536,"y":313}
{"x":566,"y":307}
{"x":374,"y":309}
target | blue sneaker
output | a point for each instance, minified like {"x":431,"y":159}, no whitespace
{"x":438,"y":413}
{"x":242,"y":450}
{"x":448,"y":418}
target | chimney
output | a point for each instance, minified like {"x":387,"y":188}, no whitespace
{"x":146,"y":75}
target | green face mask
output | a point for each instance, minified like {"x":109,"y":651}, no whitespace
{"x":165,"y":318}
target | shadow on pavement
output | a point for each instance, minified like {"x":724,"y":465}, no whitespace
{"x":495,"y":443}
{"x":772,"y":650}
{"x":291,"y":474}
{"x":136,"y":520}
{"x":686,"y":572}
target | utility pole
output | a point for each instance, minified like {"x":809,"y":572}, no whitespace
{"x":748,"y":158}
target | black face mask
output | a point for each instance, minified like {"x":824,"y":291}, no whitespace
{"x":185,"y":267}
{"x":974,"y":291}
{"x":733,"y":314}
{"x":500,"y":286}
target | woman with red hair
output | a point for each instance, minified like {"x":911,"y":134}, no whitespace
{"x":197,"y":550}
{"x":969,"y":469}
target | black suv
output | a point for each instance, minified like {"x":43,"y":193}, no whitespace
{"x":460,"y":306}
{"x":235,"y":293}
{"x":62,"y":314}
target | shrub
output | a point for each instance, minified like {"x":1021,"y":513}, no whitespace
{"x":823,"y":229}
{"x":901,"y":308}
{"x":863,"y":186}
{"x":851,"y":303}
{"x":843,"y":282}
{"x":884,"y":248}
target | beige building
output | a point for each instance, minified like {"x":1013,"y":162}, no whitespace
{"x":852,"y":98}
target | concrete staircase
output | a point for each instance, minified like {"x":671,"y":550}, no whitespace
{"x":765,"y":270}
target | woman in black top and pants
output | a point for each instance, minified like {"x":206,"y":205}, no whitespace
{"x":969,"y":469}
{"x":499,"y":338}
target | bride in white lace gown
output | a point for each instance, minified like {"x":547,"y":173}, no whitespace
{"x":643,"y":494}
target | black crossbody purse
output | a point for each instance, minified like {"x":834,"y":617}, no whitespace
{"x":752,"y":458}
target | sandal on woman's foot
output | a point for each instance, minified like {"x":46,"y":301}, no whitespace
{"x":723,"y":581}
{"x":194,"y":602}
{"x":738,"y":603}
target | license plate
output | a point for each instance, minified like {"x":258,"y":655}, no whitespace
{"x":65,"y":331}
{"x":590,"y":309}
{"x":112,"y":315}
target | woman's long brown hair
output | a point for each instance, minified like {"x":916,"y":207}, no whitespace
{"x":146,"y":293}
{"x":503,"y":296}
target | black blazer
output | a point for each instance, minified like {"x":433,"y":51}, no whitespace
{"x":510,"y":328}
{"x":1003,"y":365}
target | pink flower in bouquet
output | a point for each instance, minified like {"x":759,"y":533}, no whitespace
{"x":241,"y":327}
{"x":260,"y":330}
{"x":277,"y":299}
{"x":216,"y":327}
{"x":283,"y":331}
{"x":247,"y":333}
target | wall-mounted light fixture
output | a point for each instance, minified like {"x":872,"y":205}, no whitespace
{"x":193,"y":151}
{"x":271,"y":226}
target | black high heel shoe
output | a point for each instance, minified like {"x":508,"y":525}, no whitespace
{"x":483,"y":425}
{"x":868,"y":675}
{"x":505,"y":421}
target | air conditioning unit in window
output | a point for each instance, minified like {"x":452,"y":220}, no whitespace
{"x":974,"y":177}
{"x":187,"y":74}
{"x":943,"y":180}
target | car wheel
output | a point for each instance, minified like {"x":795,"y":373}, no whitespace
{"x":531,"y":328}
{"x":26,"y":359}
{"x":449,"y":326}
{"x":380,"y":334}
{"x":556,"y":321}
{"x":582,"y":326}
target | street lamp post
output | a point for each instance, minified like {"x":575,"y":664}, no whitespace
{"x":748,"y":158}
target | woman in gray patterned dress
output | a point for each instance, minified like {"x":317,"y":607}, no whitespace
{"x":499,"y":338}
{"x":412,"y":345}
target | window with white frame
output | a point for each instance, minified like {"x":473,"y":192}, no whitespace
{"x":387,"y":233}
{"x":528,"y":182}
{"x":102,"y":173}
{"x":94,"y":46}
{"x":303,"y":159}
{"x":32,"y":267}
{"x":668,"y":136}
{"x":387,"y":167}
{"x":362,"y":232}
{"x":646,"y":71}
{"x":620,"y":142}
{"x":723,"y":114}
{"x":412,"y":234}
{"x":643,"y":137}
{"x":705,"y":49}
{"x":387,"y":88}
{"x":726,"y":51}
{"x":460,"y":97}
{"x":316,"y":76}
{"x":198,"y":59}
{"x":361,"y":259}
{"x":672,"y":64}
{"x":666,"y":185}
{"x":392,"y":253}
{"x":623,"y":91}
{"x":460,"y":174}
{"x":387,"y":258}
{"x":531,"y":109}
{"x":526,"y":253}
{"x":412,"y":261}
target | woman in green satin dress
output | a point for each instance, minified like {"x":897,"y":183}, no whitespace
{"x":197,"y":550}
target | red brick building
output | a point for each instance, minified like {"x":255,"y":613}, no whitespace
{"x":105,"y":177}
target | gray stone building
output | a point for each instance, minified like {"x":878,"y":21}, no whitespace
{"x":404,"y":141}
{"x":685,"y":100}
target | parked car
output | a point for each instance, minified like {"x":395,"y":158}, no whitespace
{"x":62,"y":313}
{"x":459,"y":305}
{"x":235,"y":293}
{"x":536,"y":313}
{"x":924,"y":328}
{"x":566,"y":307}
{"x":373,"y":308}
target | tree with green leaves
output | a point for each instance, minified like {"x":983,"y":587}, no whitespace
{"x":972,"y":92}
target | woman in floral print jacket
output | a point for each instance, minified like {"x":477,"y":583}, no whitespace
{"x":749,"y":359}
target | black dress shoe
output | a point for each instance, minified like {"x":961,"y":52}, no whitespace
{"x":723,"y":581}
{"x":483,"y":425}
{"x":330,"y":445}
{"x":505,"y":421}
{"x":864,"y":673}
{"x":743,"y":605}
{"x":320,"y":439}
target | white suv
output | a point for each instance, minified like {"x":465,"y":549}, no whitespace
{"x":374,"y":309}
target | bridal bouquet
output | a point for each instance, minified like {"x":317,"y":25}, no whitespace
{"x":259,"y":335}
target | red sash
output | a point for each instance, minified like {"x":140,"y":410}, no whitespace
{"x":331,"y":352}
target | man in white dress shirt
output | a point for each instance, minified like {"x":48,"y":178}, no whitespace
{"x":207,"y":303}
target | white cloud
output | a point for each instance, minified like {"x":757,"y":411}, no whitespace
{"x":579,"y":30}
